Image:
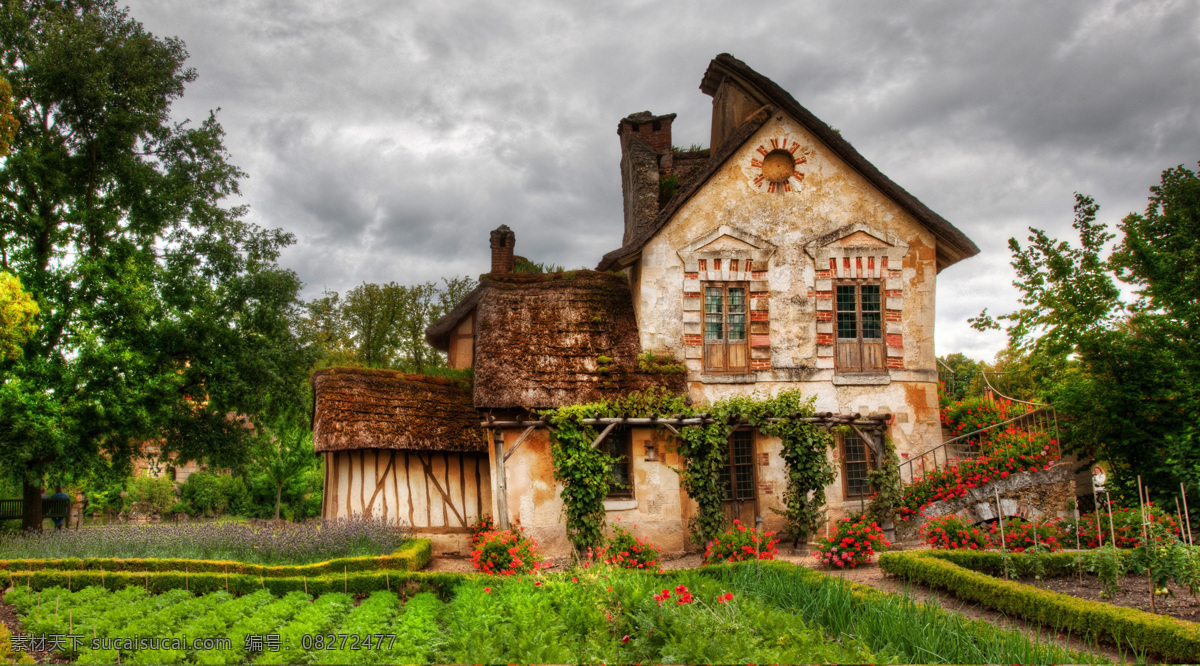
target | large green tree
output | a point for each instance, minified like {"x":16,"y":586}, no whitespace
{"x":163,"y":312}
{"x":1125,"y":370}
{"x":382,"y":326}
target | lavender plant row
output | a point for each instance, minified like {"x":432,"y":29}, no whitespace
{"x":285,"y":543}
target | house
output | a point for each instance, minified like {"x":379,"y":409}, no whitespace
{"x":779,"y":258}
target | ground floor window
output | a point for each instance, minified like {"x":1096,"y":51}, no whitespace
{"x":619,"y":445}
{"x":856,"y":462}
{"x":737,"y":477}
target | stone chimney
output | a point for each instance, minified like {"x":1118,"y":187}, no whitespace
{"x":503,"y":240}
{"x":645,"y":158}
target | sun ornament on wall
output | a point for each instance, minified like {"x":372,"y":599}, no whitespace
{"x":774,"y":166}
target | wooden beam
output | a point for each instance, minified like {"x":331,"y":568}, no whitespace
{"x":430,"y":478}
{"x":865,"y":423}
{"x":501,"y":490}
{"x":875,"y":446}
{"x":603,"y":434}
{"x":519,"y":441}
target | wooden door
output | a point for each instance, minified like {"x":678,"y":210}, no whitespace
{"x":739,"y":480}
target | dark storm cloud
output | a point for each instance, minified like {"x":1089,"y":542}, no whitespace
{"x":391,"y":137}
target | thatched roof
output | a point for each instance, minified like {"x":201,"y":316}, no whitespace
{"x":358,"y":408}
{"x":547,"y":340}
{"x":953,"y":245}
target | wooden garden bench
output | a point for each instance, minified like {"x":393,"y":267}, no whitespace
{"x":11,"y":509}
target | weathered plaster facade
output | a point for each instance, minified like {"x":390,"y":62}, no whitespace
{"x":783,"y":234}
{"x":782,"y":211}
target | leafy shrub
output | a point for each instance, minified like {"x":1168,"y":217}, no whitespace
{"x":505,"y":552}
{"x":158,"y":492}
{"x":739,"y":543}
{"x":853,"y":544}
{"x":481,"y":526}
{"x":624,"y":550}
{"x":953,"y":532}
{"x":216,"y":494}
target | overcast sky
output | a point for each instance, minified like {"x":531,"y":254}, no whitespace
{"x":390,"y":137}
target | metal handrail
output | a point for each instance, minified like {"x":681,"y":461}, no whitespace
{"x":962,"y":442}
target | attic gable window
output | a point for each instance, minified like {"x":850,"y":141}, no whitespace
{"x":726,"y":347}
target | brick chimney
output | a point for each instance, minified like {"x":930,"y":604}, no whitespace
{"x":503,"y":240}
{"x":645,"y":158}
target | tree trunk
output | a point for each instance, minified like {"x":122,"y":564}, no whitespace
{"x":31,"y":510}
{"x":278,"y":499}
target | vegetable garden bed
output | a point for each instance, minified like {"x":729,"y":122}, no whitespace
{"x":1134,"y":593}
{"x":971,"y":576}
{"x":766,"y":613}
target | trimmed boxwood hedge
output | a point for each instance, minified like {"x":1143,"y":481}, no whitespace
{"x":412,"y":556}
{"x":1167,"y":637}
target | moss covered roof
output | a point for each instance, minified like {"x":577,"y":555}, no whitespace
{"x":359,"y":408}
{"x":555,"y":339}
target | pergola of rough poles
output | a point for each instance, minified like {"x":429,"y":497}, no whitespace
{"x":870,"y":428}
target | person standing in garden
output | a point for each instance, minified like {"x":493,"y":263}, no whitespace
{"x":60,"y":495}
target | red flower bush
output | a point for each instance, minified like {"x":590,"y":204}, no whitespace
{"x":741,"y":543}
{"x":853,"y":544}
{"x":626,"y":551}
{"x":971,"y":414}
{"x":505,"y":552}
{"x":953,"y":532}
{"x":480,"y":526}
{"x":1126,"y":523}
{"x":1018,"y":534}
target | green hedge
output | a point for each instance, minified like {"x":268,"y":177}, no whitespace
{"x":412,"y":556}
{"x":1171,"y":639}
{"x":992,"y":562}
{"x":202,"y":583}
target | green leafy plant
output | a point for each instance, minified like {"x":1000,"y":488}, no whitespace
{"x":1106,"y":562}
{"x":660,"y":364}
{"x":886,"y":483}
{"x":668,"y":186}
{"x":156,"y":492}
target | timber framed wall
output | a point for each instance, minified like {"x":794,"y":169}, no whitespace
{"x":432,"y":491}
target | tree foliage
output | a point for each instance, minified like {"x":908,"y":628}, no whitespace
{"x":163,"y":312}
{"x":1126,"y":370}
{"x":18,"y":314}
{"x":382,"y":326}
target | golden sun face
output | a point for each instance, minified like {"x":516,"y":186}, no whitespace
{"x":776,"y":165}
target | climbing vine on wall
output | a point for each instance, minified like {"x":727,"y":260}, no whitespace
{"x":584,"y":471}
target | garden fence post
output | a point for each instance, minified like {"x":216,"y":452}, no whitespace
{"x":1187,"y":516}
{"x":1111,"y":530}
{"x":1142,"y":501}
{"x":1179,"y":516}
{"x":1079,"y":562}
{"x":1000,"y":519}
